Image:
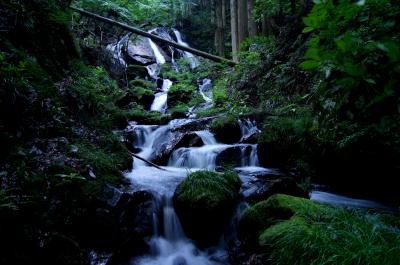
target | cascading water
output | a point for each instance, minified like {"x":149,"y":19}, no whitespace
{"x":169,"y":244}
{"x":117,"y":48}
{"x":160,"y":101}
{"x":192,"y":59}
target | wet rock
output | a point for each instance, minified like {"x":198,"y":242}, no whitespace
{"x":251,"y":138}
{"x":204,"y":202}
{"x":189,"y":140}
{"x":139,"y":51}
{"x":177,"y":140}
{"x":232,"y":156}
{"x":282,"y":185}
{"x":136,"y":71}
{"x":191,"y":124}
{"x":132,"y":247}
{"x":60,"y":249}
{"x":226,"y":130}
{"x":136,"y":214}
{"x":179,"y":261}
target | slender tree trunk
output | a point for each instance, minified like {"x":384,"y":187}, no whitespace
{"x":242,"y":20}
{"x":224,"y":14}
{"x":251,"y":23}
{"x":234,"y":30}
{"x":219,"y":31}
{"x":264,"y":25}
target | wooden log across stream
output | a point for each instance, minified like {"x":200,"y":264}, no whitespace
{"x":154,"y":37}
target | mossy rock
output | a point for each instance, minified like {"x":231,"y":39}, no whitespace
{"x":180,"y":93}
{"x":135,"y":71}
{"x":179,"y":111}
{"x":269,"y":212}
{"x":204,"y":201}
{"x":226,"y":130}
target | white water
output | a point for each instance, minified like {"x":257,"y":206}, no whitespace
{"x":206,"y":90}
{"x":171,"y":246}
{"x":116,"y":50}
{"x":160,"y":100}
{"x":193,"y":60}
{"x":247,"y":128}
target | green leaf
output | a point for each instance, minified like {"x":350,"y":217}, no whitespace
{"x":369,"y":80}
{"x":308,"y":29}
{"x":310,"y":65}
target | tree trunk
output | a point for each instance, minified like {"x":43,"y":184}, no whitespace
{"x":219,"y":30}
{"x":224,"y":15}
{"x":251,"y":23}
{"x":234,"y":30}
{"x":264,"y":25}
{"x":242,"y":20}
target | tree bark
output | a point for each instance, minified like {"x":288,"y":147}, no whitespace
{"x":234,"y":30}
{"x":219,"y":31}
{"x":251,"y":22}
{"x":242,"y":20}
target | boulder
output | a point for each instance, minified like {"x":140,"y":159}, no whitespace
{"x":140,"y":52}
{"x":191,"y":124}
{"x":178,"y":140}
{"x":282,"y":185}
{"x":232,"y":156}
{"x":204,"y":202}
{"x":267,"y":213}
{"x":226,"y":130}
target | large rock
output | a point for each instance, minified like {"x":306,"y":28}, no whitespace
{"x":140,"y":52}
{"x":204,"y":201}
{"x":267,"y":213}
{"x":226,"y":130}
{"x":268,"y":187}
{"x":232,"y":156}
{"x":191,"y":124}
{"x":178,"y":140}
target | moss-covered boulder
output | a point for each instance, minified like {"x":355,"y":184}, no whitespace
{"x":266,"y":213}
{"x":291,"y":230}
{"x":204,"y":201}
{"x":180,"y":93}
{"x":226,"y":129}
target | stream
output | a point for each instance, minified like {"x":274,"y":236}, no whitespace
{"x":169,"y":245}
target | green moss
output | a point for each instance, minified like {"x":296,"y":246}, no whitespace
{"x":299,"y":231}
{"x":209,"y":189}
{"x":142,"y":83}
{"x":226,"y":129}
{"x":180,"y":93}
{"x":178,"y":111}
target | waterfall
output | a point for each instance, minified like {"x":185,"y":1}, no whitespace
{"x":206,"y":90}
{"x":247,"y":128}
{"x":160,"y":100}
{"x":116,"y":50}
{"x":192,"y":59}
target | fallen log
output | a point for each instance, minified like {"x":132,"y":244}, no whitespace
{"x":154,"y":37}
{"x":147,"y":161}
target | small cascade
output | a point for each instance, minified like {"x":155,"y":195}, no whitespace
{"x":203,"y":157}
{"x":192,"y":59}
{"x":207,"y":137}
{"x":160,"y":101}
{"x":206,"y":90}
{"x":249,"y":157}
{"x":148,"y":140}
{"x":117,"y":48}
{"x":247,"y":128}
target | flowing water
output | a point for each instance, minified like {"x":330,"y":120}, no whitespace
{"x":169,"y":245}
